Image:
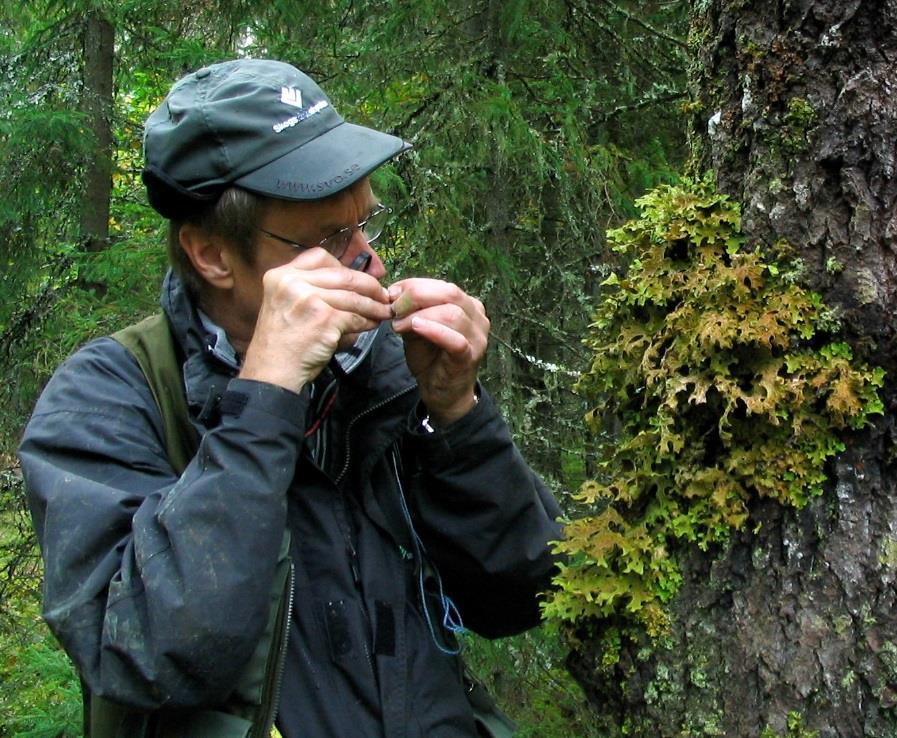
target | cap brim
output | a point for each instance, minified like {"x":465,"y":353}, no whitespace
{"x":325,"y":165}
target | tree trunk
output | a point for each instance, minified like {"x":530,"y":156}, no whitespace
{"x":99,"y":50}
{"x":793,"y":627}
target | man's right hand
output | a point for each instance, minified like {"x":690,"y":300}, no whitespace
{"x":311,"y":307}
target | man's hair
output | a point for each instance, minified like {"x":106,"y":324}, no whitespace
{"x":233,"y":216}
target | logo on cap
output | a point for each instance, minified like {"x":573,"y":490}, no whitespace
{"x":299,"y":117}
{"x":291,"y":96}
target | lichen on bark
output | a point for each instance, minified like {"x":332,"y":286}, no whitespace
{"x":796,"y":614}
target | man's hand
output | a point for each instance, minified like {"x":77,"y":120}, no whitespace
{"x":446,"y":332}
{"x":311,"y":307}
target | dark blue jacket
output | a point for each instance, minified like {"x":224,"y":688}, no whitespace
{"x":158,"y":585}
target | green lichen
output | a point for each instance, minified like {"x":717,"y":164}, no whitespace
{"x":664,"y":688}
{"x":801,"y":115}
{"x":725,"y":382}
{"x":698,"y":677}
{"x":888,"y":657}
{"x":833,"y":265}
{"x":888,"y":555}
{"x":787,"y":132}
{"x":866,"y":287}
{"x":795,"y":728}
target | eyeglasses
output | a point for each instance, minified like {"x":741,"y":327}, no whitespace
{"x":337,"y":243}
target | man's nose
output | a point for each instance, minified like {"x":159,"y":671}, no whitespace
{"x":365,"y":258}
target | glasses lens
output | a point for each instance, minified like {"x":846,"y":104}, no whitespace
{"x":338,"y":242}
{"x":372,"y":228}
{"x":375,"y":224}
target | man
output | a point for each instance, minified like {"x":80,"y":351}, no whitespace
{"x":329,"y":406}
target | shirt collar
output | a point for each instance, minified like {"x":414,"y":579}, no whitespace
{"x":217,"y":342}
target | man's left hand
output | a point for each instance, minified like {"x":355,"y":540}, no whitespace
{"x":445,"y":332}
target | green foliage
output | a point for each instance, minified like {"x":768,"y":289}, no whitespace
{"x":40,"y":695}
{"x":534,"y":122}
{"x":724,"y":383}
{"x":526,"y":675}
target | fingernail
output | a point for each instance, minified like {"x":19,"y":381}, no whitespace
{"x":394,"y":291}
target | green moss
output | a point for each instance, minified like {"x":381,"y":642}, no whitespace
{"x":705,"y":726}
{"x":867,"y":616}
{"x":610,"y":648}
{"x":843,"y":624}
{"x":801,"y":115}
{"x":798,"y":121}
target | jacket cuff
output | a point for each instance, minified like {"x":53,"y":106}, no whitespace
{"x":439,"y":446}
{"x":249,"y":395}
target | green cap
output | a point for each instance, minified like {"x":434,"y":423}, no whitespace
{"x":257,"y":124}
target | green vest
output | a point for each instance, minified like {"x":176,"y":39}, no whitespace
{"x":250,"y":710}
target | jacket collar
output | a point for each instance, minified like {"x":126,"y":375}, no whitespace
{"x":205,"y":375}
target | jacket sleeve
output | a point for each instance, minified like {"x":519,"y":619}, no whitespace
{"x":486,"y":519}
{"x":156,"y":586}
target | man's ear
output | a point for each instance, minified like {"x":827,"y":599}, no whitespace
{"x":209,"y":255}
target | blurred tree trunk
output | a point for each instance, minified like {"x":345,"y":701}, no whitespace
{"x":99,"y":52}
{"x":792,"y":630}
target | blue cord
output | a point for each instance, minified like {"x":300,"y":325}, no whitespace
{"x":451,"y":616}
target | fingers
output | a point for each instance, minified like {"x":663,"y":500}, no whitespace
{"x":308,"y":306}
{"x":410,"y":295}
{"x":342,"y":289}
{"x":450,"y":340}
{"x":318,"y":267}
{"x":442,"y":313}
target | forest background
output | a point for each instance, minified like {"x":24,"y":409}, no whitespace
{"x":698,"y":374}
{"x":535,"y":125}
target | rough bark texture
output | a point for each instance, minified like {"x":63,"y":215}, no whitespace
{"x":798,"y":120}
{"x":99,"y":50}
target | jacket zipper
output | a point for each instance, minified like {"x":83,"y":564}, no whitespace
{"x":368,"y":411}
{"x":271,"y":703}
{"x":351,"y":551}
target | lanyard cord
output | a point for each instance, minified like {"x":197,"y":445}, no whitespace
{"x":451,"y":617}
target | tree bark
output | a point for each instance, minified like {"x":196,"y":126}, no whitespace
{"x":99,"y":51}
{"x":796,"y":620}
